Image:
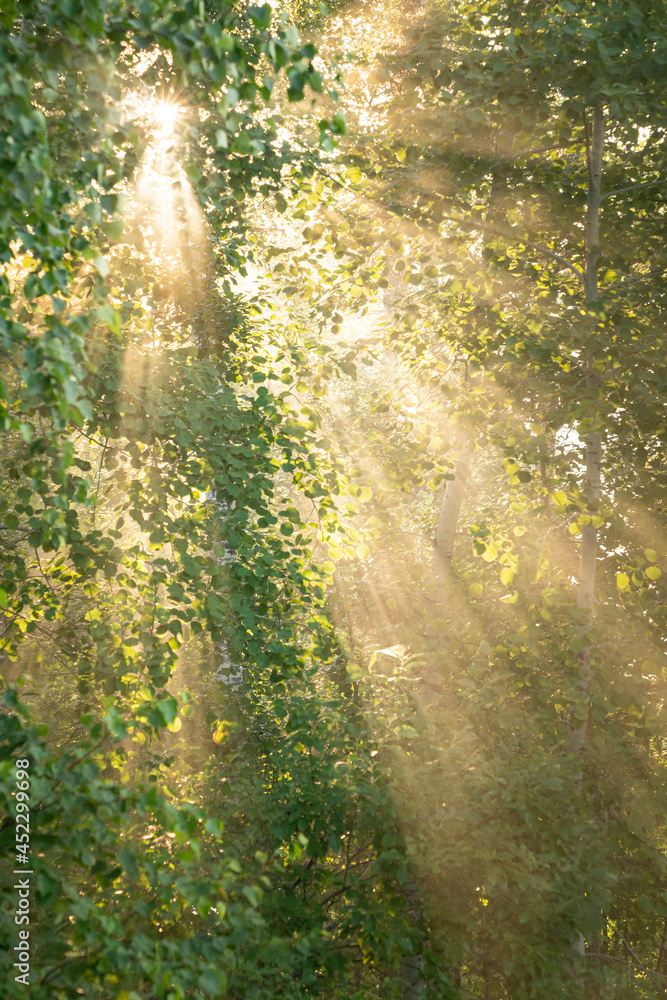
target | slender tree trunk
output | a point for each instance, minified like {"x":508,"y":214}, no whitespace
{"x":445,"y":534}
{"x":661,"y":953}
{"x":589,"y":539}
{"x":414,"y":964}
{"x":412,"y":969}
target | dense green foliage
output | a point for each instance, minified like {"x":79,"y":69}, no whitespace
{"x":277,"y":747}
{"x":467,"y":200}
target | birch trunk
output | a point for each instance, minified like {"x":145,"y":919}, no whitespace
{"x":445,"y":534}
{"x":589,"y":539}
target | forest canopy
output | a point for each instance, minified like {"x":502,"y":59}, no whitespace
{"x":333,"y":406}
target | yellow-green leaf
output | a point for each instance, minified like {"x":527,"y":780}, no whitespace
{"x":364,"y":494}
{"x":101,"y":266}
{"x":511,"y":598}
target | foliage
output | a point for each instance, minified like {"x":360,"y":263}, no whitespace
{"x":467,"y":204}
{"x":107,"y":565}
{"x":204,"y":484}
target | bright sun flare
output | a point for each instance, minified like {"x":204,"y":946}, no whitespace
{"x":165,"y":116}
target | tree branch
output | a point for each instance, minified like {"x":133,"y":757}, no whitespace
{"x":481,"y":228}
{"x":637,"y":960}
{"x":538,"y":149}
{"x":517,"y":238}
{"x":633,"y":187}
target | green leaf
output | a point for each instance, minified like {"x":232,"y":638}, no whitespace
{"x":115,"y":724}
{"x":168,"y":709}
{"x":261,"y":16}
{"x":212,"y":982}
{"x":94,"y":211}
{"x":408,"y":732}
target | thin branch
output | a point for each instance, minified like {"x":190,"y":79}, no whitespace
{"x":43,"y":572}
{"x":513,"y":238}
{"x":633,"y":187}
{"x":548,"y":253}
{"x":516,"y":238}
{"x":56,"y":969}
{"x":328,"y":900}
{"x":293,"y":886}
{"x":539,"y":149}
{"x":637,"y":960}
{"x":99,"y":477}
{"x":661,"y":954}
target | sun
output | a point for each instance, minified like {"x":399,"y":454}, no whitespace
{"x":157,"y":114}
{"x":165,"y":115}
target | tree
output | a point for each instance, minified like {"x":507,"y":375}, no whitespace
{"x":422,"y":787}
{"x":129,"y":403}
{"x":515,"y":185}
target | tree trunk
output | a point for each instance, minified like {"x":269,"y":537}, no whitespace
{"x":589,"y":539}
{"x":414,"y":964}
{"x":412,"y":969}
{"x":445,"y":534}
